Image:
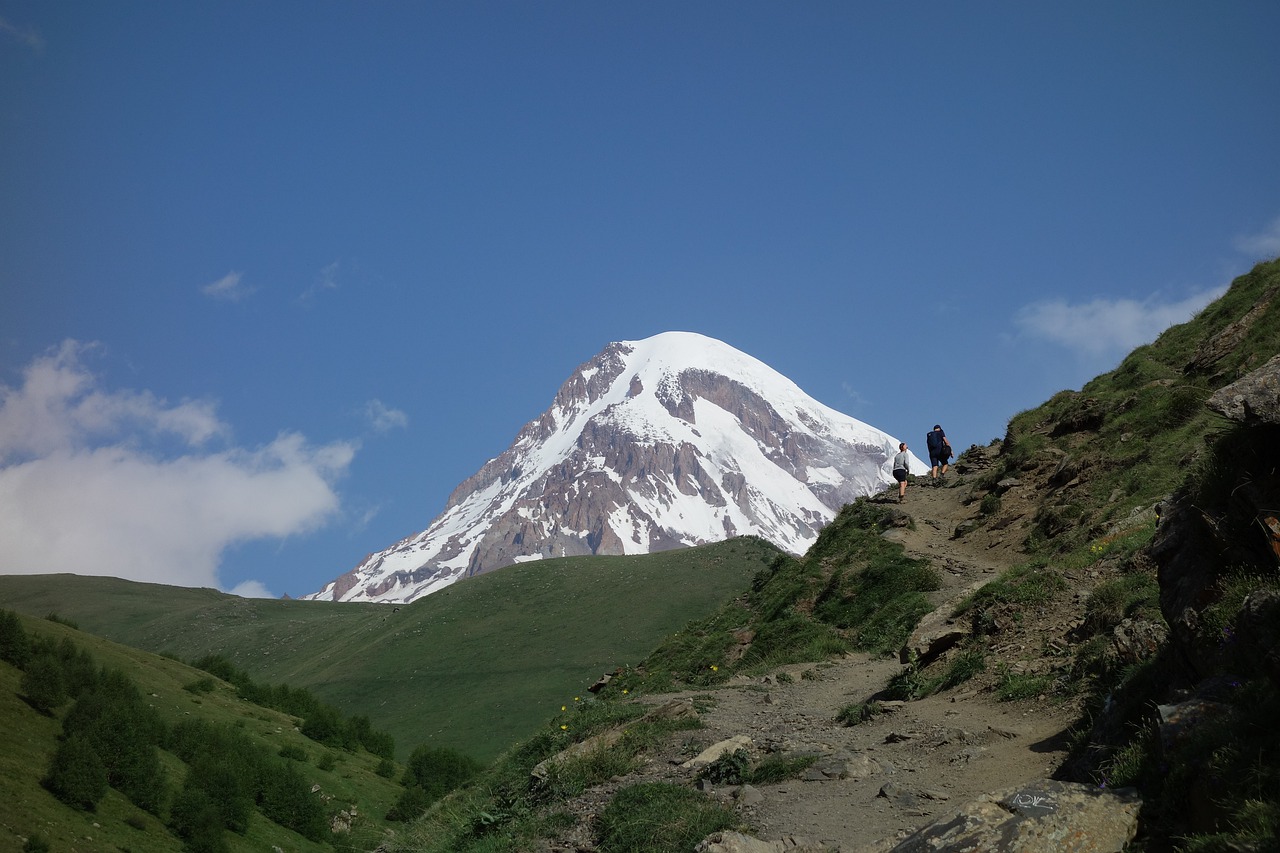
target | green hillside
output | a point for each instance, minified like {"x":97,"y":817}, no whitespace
{"x":30,"y":815}
{"x":475,"y":667}
{"x":1115,"y":488}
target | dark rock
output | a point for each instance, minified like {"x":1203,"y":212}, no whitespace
{"x":899,"y":796}
{"x":1068,"y":469}
{"x":1088,"y":416}
{"x":894,"y":517}
{"x":1048,"y":815}
{"x":1259,"y":628}
{"x":1135,"y":640}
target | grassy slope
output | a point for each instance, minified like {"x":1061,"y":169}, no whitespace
{"x":1153,"y":422}
{"x":475,"y":667}
{"x":27,"y":808}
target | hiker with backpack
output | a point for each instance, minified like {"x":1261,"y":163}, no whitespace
{"x":939,"y":452}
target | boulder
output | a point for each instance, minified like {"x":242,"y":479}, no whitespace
{"x":1253,"y":399}
{"x":713,"y":752}
{"x":1047,"y":815}
{"x":728,"y":841}
{"x":1135,"y":640}
{"x":935,"y":634}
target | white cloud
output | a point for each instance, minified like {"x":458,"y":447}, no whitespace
{"x":83,"y":489}
{"x":27,"y":35}
{"x":251,"y":589}
{"x":1265,"y":244}
{"x":60,"y":407}
{"x":1108,"y":326}
{"x":382,"y":418}
{"x":228,"y":288}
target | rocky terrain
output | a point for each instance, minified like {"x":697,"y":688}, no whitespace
{"x":874,"y":783}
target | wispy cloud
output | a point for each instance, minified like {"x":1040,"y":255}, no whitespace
{"x":228,"y":288}
{"x":1263,"y":245}
{"x":853,"y":394}
{"x":27,"y":35}
{"x":1108,"y":326}
{"x":382,"y":418}
{"x":326,"y":280}
{"x":86,"y":485}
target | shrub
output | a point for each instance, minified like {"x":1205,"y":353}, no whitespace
{"x":36,"y":844}
{"x":202,"y":685}
{"x":730,"y":768}
{"x":438,"y":770}
{"x":195,"y":818}
{"x":412,"y":803}
{"x":15,"y":647}
{"x":76,"y":774}
{"x":862,"y":712}
{"x":124,"y":731}
{"x":286,"y":798}
{"x":293,"y":752}
{"x":43,"y":683}
{"x":1112,"y":601}
{"x":963,"y":667}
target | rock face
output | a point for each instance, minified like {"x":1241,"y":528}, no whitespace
{"x":668,"y":442}
{"x":1254,"y":399}
{"x":1050,"y":815}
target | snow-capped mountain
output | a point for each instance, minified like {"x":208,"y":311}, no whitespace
{"x":671,"y":441}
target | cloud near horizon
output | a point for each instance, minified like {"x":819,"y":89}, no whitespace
{"x":1105,"y":327}
{"x":84,"y":487}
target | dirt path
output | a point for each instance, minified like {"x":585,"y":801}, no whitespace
{"x":903,"y":768}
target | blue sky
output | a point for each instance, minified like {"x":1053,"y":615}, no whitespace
{"x":276,"y":276}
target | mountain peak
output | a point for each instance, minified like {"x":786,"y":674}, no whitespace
{"x":671,"y":441}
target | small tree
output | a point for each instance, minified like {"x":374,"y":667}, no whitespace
{"x":43,"y":683}
{"x":15,"y":647}
{"x":76,"y":774}
{"x":195,"y":818}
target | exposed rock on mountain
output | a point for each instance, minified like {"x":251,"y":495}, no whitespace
{"x":663,"y":443}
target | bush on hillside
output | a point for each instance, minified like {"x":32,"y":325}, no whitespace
{"x":43,"y":685}
{"x":76,"y":774}
{"x":321,"y":722}
{"x":286,"y":798}
{"x":15,"y":646}
{"x":124,"y":731}
{"x":196,"y":818}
